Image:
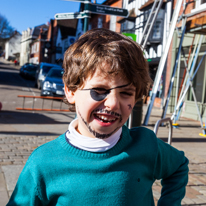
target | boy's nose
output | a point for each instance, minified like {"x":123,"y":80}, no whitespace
{"x":112,"y":101}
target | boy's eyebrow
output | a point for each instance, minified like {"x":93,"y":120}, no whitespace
{"x":121,"y":86}
{"x":131,"y":89}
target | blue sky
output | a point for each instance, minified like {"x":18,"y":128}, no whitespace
{"x":29,"y":13}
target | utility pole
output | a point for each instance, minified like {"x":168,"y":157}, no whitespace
{"x":86,"y":19}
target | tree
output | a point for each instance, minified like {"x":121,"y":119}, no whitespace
{"x":6,"y":31}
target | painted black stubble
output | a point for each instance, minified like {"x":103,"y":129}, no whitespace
{"x":96,"y":134}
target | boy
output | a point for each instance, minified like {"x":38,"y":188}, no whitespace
{"x":98,"y":161}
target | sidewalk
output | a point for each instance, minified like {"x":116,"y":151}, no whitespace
{"x":20,"y":134}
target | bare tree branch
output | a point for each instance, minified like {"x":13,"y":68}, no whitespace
{"x":6,"y":31}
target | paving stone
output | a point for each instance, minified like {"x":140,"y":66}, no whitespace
{"x":4,"y":198}
{"x":12,"y":173}
{"x":197,"y":201}
{"x":202,"y":197}
{"x":187,"y":201}
{"x":2,"y":183}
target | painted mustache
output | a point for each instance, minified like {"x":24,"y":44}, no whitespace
{"x":108,"y":112}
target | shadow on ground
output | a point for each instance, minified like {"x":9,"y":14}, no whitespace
{"x":19,"y":117}
{"x":184,"y":139}
{"x":30,"y":133}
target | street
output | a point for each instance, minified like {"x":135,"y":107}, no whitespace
{"x":22,"y":131}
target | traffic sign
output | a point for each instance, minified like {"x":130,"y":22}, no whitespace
{"x":93,"y":8}
{"x":76,"y":15}
{"x":106,"y":10}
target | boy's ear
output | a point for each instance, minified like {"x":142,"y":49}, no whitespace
{"x":69,"y":95}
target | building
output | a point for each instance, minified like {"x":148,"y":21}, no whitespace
{"x":37,"y":48}
{"x":106,"y":21}
{"x":28,"y":36}
{"x":61,"y":34}
{"x":101,"y":21}
{"x":13,"y":47}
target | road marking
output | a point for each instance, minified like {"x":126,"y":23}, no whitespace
{"x":25,"y":89}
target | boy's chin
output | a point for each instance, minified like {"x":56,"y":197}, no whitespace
{"x":102,"y":134}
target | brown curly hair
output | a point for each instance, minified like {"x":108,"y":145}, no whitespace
{"x":99,"y":46}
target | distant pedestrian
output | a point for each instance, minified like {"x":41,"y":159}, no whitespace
{"x":15,"y":62}
{"x":98,"y":160}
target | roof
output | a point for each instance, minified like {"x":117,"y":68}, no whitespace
{"x":36,"y":29}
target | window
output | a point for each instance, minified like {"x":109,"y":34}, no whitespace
{"x":200,"y":4}
{"x":66,"y":45}
{"x":157,"y":31}
{"x":100,"y":22}
{"x":128,"y":26}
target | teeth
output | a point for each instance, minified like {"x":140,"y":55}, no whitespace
{"x":108,"y":119}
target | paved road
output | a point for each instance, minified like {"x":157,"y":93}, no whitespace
{"x":22,"y":131}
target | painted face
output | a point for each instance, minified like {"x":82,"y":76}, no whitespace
{"x":103,"y":105}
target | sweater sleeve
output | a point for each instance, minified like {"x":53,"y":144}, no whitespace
{"x":172,"y":168}
{"x":26,"y":191}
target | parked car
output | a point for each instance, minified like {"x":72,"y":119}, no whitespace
{"x":53,"y":84}
{"x":28,"y":71}
{"x":41,"y":73}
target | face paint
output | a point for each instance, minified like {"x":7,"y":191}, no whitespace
{"x":96,"y":134}
{"x":99,"y":94}
{"x":130,"y":106}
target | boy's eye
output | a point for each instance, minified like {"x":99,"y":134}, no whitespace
{"x":127,"y":93}
{"x":100,"y":91}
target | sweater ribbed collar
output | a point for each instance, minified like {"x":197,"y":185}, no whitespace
{"x":124,"y":141}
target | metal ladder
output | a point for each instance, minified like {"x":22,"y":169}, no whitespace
{"x":163,"y":60}
{"x":150,"y":22}
{"x":174,"y":71}
{"x":146,"y":33}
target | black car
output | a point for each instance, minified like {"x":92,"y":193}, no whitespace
{"x":28,"y":71}
{"x":53,"y":84}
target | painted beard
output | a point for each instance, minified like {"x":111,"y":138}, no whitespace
{"x":96,"y":134}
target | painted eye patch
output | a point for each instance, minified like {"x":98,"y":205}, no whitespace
{"x":99,"y":94}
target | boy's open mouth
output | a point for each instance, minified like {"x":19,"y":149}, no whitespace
{"x":105,"y":118}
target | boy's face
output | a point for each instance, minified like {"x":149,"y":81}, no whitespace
{"x":103,"y":104}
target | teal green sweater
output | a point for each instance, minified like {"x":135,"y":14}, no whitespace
{"x":56,"y":173}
